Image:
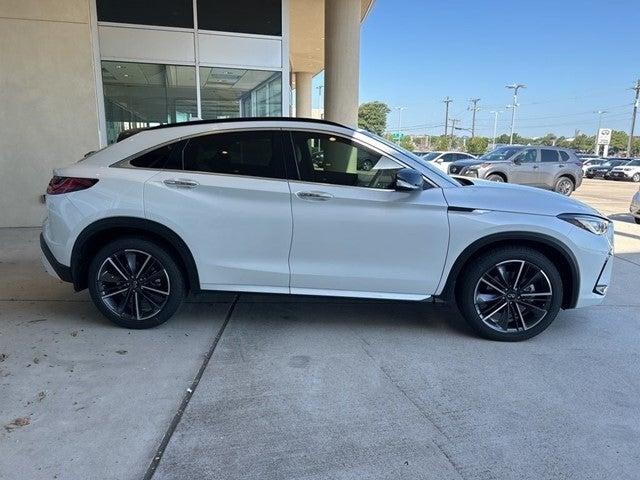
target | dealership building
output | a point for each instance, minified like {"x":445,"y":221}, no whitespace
{"x":75,"y":73}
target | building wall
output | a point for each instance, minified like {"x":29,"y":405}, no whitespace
{"x":47,"y":99}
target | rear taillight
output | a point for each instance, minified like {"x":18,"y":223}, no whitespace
{"x":59,"y":185}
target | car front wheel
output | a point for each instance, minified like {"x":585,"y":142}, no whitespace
{"x":494,"y":177}
{"x":510,"y":294}
{"x":135,"y":283}
{"x":636,"y":177}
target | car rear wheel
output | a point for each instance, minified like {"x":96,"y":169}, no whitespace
{"x":135,"y":283}
{"x":510,"y":294}
{"x":494,"y":177}
{"x":636,"y":177}
{"x":564,"y":186}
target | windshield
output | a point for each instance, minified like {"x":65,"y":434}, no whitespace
{"x":431,"y":156}
{"x":633,"y":163}
{"x":499,"y":154}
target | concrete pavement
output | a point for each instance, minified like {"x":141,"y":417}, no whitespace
{"x":315,"y":388}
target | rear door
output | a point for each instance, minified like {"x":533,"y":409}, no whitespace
{"x":524,"y":168}
{"x":230,"y":202}
{"x":550,"y":166}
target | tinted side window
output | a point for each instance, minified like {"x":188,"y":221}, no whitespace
{"x":449,"y":157}
{"x":256,"y":153}
{"x":167,"y":157}
{"x":564,"y":156}
{"x":335,"y":160}
{"x":241,"y":16}
{"x":164,"y":13}
{"x":549,"y":156}
{"x":527,"y":156}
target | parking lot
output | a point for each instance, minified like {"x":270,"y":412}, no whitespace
{"x":279,"y":387}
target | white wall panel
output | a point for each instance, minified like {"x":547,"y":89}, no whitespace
{"x":241,"y":51}
{"x":158,"y":46}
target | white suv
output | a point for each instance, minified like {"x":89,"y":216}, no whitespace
{"x":628,"y":171}
{"x":240,"y":205}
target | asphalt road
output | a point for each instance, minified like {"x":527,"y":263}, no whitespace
{"x":610,"y":197}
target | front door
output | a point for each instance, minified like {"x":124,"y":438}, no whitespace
{"x":230,"y":202}
{"x":525,"y":168}
{"x":354,"y":235}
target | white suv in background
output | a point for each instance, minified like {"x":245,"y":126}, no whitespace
{"x":240,"y":205}
{"x":442,"y":160}
{"x":628,"y":171}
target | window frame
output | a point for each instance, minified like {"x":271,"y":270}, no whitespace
{"x":523,"y":151}
{"x":291,"y":163}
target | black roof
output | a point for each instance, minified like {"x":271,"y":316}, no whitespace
{"x":127,"y":133}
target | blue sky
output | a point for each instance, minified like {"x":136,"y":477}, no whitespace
{"x":574,"y":56}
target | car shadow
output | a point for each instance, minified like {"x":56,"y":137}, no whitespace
{"x":622,"y":217}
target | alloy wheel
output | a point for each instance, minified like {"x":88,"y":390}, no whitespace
{"x":133,"y":284}
{"x":636,"y":177}
{"x":513,"y":296}
{"x":565,"y":186}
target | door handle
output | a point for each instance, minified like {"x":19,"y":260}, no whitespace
{"x":560,"y":166}
{"x":180,"y":183}
{"x":314,"y":196}
{"x":535,"y":167}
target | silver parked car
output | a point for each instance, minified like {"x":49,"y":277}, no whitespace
{"x":552,"y":168}
{"x":634,"y":208}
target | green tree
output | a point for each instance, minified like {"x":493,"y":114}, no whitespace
{"x":619,"y":141}
{"x":583,"y":143}
{"x":504,"y":138}
{"x":372,"y":116}
{"x":407,"y":142}
{"x":440,"y":143}
{"x":477,"y":145}
{"x":549,"y":139}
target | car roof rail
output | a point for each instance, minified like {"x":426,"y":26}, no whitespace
{"x":128,"y":133}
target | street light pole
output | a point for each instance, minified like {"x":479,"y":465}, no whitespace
{"x":400,"y":118}
{"x":633,"y":119}
{"x":515,"y":87}
{"x":320,"y":106}
{"x":495,"y":125}
{"x":600,"y":113}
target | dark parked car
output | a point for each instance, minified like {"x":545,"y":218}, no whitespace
{"x":603,"y":170}
{"x":458,"y":167}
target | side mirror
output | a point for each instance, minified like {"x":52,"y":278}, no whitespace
{"x":439,"y":160}
{"x":409,"y":179}
{"x":517,"y":161}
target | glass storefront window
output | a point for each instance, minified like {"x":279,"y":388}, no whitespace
{"x":242,"y":16}
{"x":232,"y":92}
{"x":163,"y":13}
{"x":143,"y":95}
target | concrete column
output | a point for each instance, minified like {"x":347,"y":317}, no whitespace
{"x":303,"y":94}
{"x":342,"y":60}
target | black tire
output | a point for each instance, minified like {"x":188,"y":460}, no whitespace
{"x":494,"y":177}
{"x":636,"y":177}
{"x":564,"y":186}
{"x":637,"y":220}
{"x":159,"y":284}
{"x":470,"y":283}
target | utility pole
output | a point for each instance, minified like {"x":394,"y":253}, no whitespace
{"x":633,"y":119}
{"x":453,"y":130}
{"x":515,"y":87}
{"x":495,"y":124}
{"x":600,"y":113}
{"x":446,"y":101}
{"x":320,"y":106}
{"x":474,"y":109}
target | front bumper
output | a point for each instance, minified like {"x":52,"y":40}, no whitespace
{"x":53,"y":266}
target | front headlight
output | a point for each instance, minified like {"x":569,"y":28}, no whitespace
{"x":591,"y":223}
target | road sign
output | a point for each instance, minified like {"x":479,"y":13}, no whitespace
{"x":604,"y":136}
